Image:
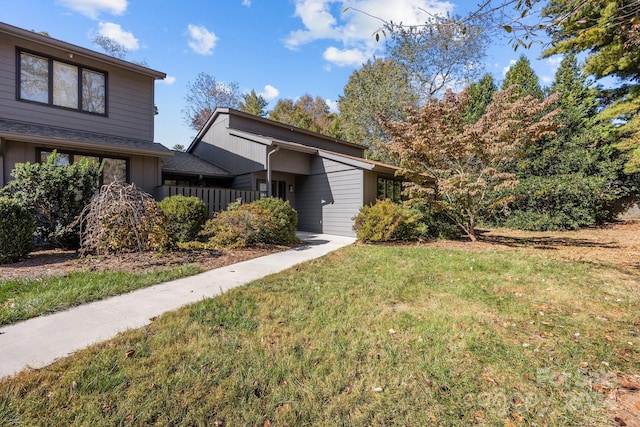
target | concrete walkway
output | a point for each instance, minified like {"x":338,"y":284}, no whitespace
{"x":40,"y":341}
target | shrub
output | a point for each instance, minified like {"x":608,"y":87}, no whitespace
{"x":384,"y":221}
{"x":430,"y":224}
{"x":559,"y":203}
{"x":123,"y":218}
{"x":186,"y":216}
{"x":231,"y":229}
{"x":268,"y":220}
{"x":277,"y":220}
{"x":16,"y":230}
{"x":54,"y":195}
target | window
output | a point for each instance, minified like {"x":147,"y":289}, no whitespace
{"x":278,"y":189}
{"x":389,"y":189}
{"x":114,"y":169}
{"x":49,"y":81}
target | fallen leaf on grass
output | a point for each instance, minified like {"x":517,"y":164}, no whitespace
{"x":529,"y":377}
{"x":620,"y":421}
{"x":487,"y":378}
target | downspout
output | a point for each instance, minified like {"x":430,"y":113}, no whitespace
{"x":269,"y":192}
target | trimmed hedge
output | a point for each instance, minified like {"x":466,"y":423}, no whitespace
{"x":16,"y":231}
{"x":186,"y":216}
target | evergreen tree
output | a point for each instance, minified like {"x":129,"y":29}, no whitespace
{"x":253,"y":103}
{"x":481,"y":94}
{"x":522,"y":74}
{"x":609,"y":33}
{"x":569,"y":180}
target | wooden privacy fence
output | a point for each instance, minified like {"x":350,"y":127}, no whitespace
{"x":216,"y":199}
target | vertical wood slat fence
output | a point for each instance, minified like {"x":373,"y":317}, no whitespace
{"x":216,"y":199}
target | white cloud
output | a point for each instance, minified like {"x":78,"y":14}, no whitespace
{"x":546,"y":79}
{"x":345,"y":57}
{"x":246,"y":3}
{"x":169,"y":80}
{"x":269,"y":93}
{"x":325,"y":20}
{"x":333,"y":105}
{"x":506,"y":69}
{"x":115,"y":32}
{"x":92,"y":8}
{"x":202,"y":40}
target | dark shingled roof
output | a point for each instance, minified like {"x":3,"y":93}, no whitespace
{"x":188,"y":164}
{"x":49,"y":135}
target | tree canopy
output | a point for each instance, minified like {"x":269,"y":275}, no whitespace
{"x":206,"y":94}
{"x":522,"y":75}
{"x":379,"y":87}
{"x":306,"y":113}
{"x":253,"y":103}
{"x":458,"y":166}
{"x":609,"y":32}
{"x":438,"y":55}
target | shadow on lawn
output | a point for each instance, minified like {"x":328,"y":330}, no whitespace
{"x":545,"y":242}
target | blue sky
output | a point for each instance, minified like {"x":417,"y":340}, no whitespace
{"x":280,"y":48}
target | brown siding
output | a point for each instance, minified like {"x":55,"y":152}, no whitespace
{"x":129,"y":97}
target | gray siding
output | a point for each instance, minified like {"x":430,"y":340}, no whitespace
{"x":144,"y":171}
{"x":234,"y":154}
{"x":243,"y":182}
{"x":129,"y":96}
{"x":328,"y":199}
{"x":291,"y":134}
{"x":291,"y":162}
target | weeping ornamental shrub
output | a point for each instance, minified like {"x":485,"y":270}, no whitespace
{"x":268,"y":220}
{"x":16,"y":231}
{"x":54,"y":195}
{"x":122,"y":218}
{"x":186,"y":216}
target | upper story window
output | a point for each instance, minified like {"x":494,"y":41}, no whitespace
{"x":53,"y":82}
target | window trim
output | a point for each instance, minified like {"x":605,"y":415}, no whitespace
{"x":50,"y":61}
{"x":396,"y":183}
{"x":101,"y":157}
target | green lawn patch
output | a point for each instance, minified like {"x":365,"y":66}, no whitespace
{"x":26,"y":298}
{"x":366,"y":336}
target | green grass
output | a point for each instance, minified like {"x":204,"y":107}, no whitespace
{"x":366,"y":336}
{"x":26,"y":298}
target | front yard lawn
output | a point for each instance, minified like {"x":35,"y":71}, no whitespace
{"x":22,"y":299}
{"x":366,"y":336}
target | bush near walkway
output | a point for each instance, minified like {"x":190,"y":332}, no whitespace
{"x":55,"y":194}
{"x":186,"y":216}
{"x":123,"y":218}
{"x":268,"y":220}
{"x":16,"y":231}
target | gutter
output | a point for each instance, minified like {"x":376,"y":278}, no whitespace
{"x":269,"y":169}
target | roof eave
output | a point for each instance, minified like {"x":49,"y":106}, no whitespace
{"x":77,"y":50}
{"x":75,"y":144}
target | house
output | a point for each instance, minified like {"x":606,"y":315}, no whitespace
{"x":325,"y":180}
{"x":84,"y":104}
{"x":58,"y":96}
